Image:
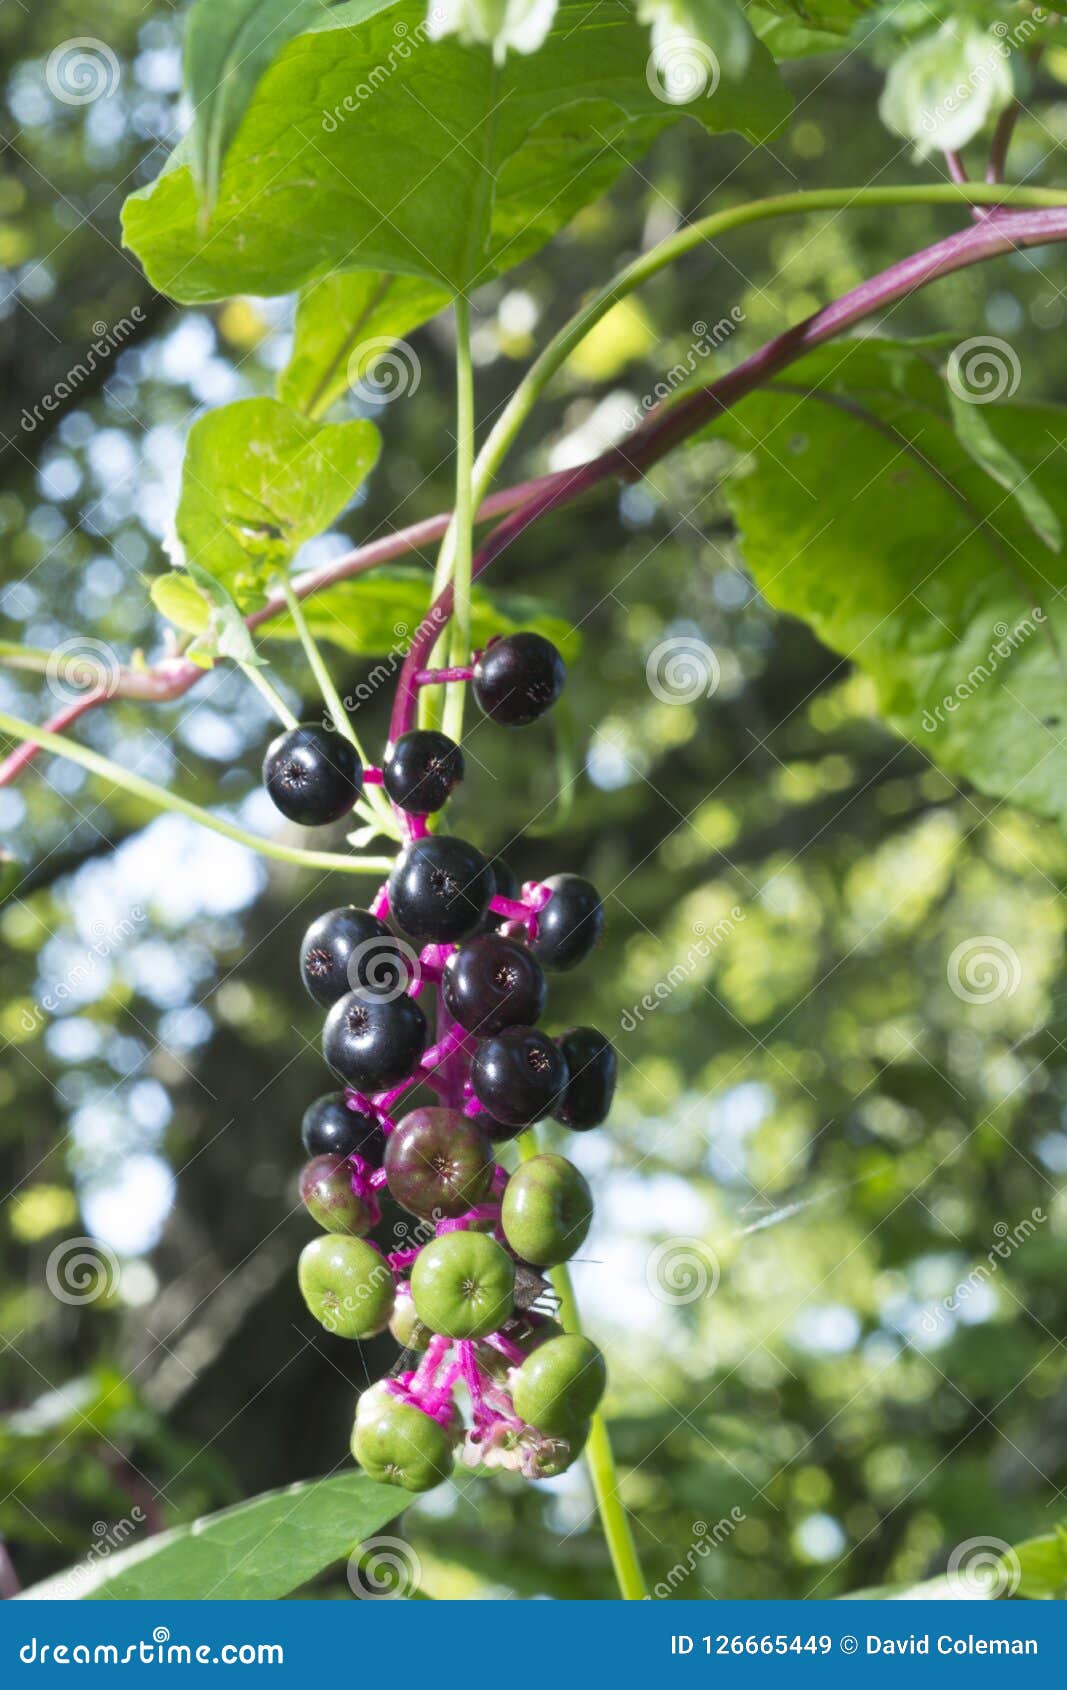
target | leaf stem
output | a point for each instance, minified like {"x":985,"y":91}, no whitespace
{"x":253,"y":673}
{"x":161,"y":799}
{"x":599,"y":1456}
{"x":463,"y":518}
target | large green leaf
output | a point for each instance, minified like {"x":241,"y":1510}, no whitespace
{"x":228,"y":46}
{"x":345,"y":327}
{"x":833,"y":17}
{"x":257,"y":481}
{"x":365,"y":146}
{"x":257,"y":1551}
{"x":1040,"y":1565}
{"x":862,"y":512}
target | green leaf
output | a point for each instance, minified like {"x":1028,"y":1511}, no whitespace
{"x":787,"y":37}
{"x":861,"y":512}
{"x":833,"y":17}
{"x":365,"y":146}
{"x":227,"y":634}
{"x":257,"y":1551}
{"x":978,"y":438}
{"x":228,"y":46}
{"x":1041,"y":1564}
{"x":258,"y":480}
{"x":945,"y":87}
{"x":11,"y":872}
{"x":177,"y":597}
{"x":376,"y":614}
{"x":345,"y":328}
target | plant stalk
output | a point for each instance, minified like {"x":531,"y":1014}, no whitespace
{"x":463,"y":519}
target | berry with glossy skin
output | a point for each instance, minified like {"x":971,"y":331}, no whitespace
{"x":570,"y":924}
{"x":312,"y":775}
{"x":396,"y":1443}
{"x":463,"y":1284}
{"x":593,"y":1067}
{"x":519,"y":1075}
{"x":560,"y":1383}
{"x":491,"y":983}
{"x":330,"y":1128}
{"x":439,"y":889}
{"x":546,"y":1210}
{"x":327,"y":1195}
{"x":560,"y":1452}
{"x":438,"y":1162}
{"x":347,"y":950}
{"x":421,"y":770}
{"x":373,"y":1046}
{"x":347,"y":1284}
{"x":405,"y":1325}
{"x":517,"y":678}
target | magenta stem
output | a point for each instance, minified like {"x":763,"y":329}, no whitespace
{"x":437,"y":677}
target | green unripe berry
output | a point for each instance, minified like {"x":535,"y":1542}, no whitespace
{"x":326,"y":1192}
{"x":547,"y":1210}
{"x":396,"y":1443}
{"x":561,"y":1451}
{"x":463,"y":1285}
{"x":559,"y":1385}
{"x":347,"y":1284}
{"x":405,"y":1325}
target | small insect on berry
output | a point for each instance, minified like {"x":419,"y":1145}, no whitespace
{"x":312,"y":775}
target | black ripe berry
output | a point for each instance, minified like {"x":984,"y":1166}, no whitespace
{"x":570,"y":924}
{"x":439,"y":889}
{"x":350,"y":950}
{"x":421,"y":770}
{"x":330,"y":1128}
{"x":593,"y":1066}
{"x":371,"y":1044}
{"x":519,"y":1076}
{"x":491,"y":983}
{"x":312,"y":775}
{"x":517,"y":678}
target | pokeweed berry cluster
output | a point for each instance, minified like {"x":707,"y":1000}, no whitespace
{"x":468,"y":1297}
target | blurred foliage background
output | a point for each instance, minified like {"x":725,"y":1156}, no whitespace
{"x":809,"y":1101}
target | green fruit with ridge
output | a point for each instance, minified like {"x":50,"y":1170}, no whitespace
{"x":396,"y":1443}
{"x":547,"y":1210}
{"x":560,"y":1384}
{"x":406,"y":1326}
{"x":463,"y":1285}
{"x":327,"y":1195}
{"x":347,"y":1284}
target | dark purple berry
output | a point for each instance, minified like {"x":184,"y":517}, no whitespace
{"x":491,"y":983}
{"x":374,"y":1045}
{"x":519,"y":1076}
{"x":517,"y":678}
{"x":330,"y":1128}
{"x":438,"y":1162}
{"x":350,"y":950}
{"x":570,"y":924}
{"x":421,"y":770}
{"x":593,"y":1067}
{"x":440,"y":889}
{"x":312,"y":775}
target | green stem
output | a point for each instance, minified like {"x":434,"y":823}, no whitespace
{"x":703,"y":232}
{"x":161,"y":799}
{"x":373,"y":806}
{"x":254,"y":673}
{"x":462,"y":525}
{"x":599,"y":1456}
